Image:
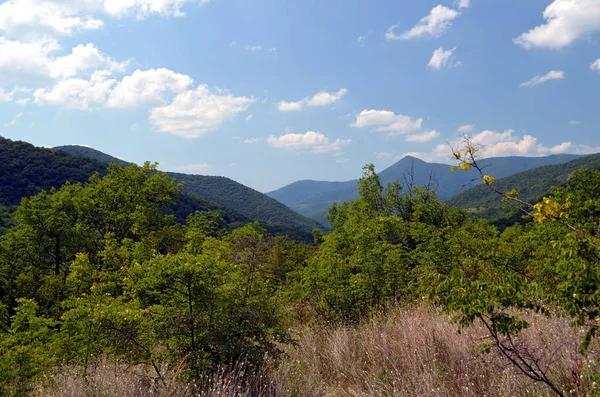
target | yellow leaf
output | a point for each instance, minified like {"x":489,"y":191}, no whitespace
{"x":488,"y":180}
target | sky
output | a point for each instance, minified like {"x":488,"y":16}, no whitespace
{"x":268,"y":92}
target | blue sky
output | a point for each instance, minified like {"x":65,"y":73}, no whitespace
{"x":268,"y":92}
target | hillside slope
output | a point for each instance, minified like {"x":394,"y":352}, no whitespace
{"x":313,"y":198}
{"x":532,"y":185}
{"x":231,"y":194}
{"x":26,"y":170}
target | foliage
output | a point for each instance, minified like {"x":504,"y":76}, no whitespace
{"x":531,"y":186}
{"x":125,"y":267}
{"x":551,"y":266}
{"x":380,"y":246}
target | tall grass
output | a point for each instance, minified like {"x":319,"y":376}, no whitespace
{"x":407,"y":352}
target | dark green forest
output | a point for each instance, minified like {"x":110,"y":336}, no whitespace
{"x":27,"y":170}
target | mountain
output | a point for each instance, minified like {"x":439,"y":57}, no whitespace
{"x":230,"y":194}
{"x":26,"y":170}
{"x":86,"y":151}
{"x":532,"y":186}
{"x":313,"y":198}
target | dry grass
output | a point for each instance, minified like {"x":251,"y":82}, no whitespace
{"x":417,"y":353}
{"x":409,"y":352}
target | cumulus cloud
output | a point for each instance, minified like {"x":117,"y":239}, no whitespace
{"x":31,"y":64}
{"x":77,"y":93}
{"x":506,"y":143}
{"x":566,"y":21}
{"x":422,"y":137}
{"x":435,"y":24}
{"x":387,"y":121}
{"x":596,"y":65}
{"x":195,"y":113}
{"x":66,"y":17}
{"x":443,"y":58}
{"x":463,"y":129}
{"x":147,"y":88}
{"x":322,"y":98}
{"x":316,"y":142}
{"x":285,"y":106}
{"x":551,"y":75}
{"x":61,"y":17}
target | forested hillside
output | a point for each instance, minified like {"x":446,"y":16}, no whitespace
{"x":313,"y":198}
{"x":26,"y":170}
{"x":531,"y":186}
{"x":231,"y":194}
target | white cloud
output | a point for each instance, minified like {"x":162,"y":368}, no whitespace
{"x":326,"y":98}
{"x":251,"y":141}
{"x":435,"y":24}
{"x":249,"y":117}
{"x":387,"y":121}
{"x":443,"y":58}
{"x":322,"y":98}
{"x":315,"y":141}
{"x":500,"y":144}
{"x":147,"y":88}
{"x":342,"y":160}
{"x":62,"y":17}
{"x":466,"y":128}
{"x":17,"y":117}
{"x":31,"y":64}
{"x":5,"y":96}
{"x":261,"y":48}
{"x":551,"y":75}
{"x":77,"y":93}
{"x":82,"y":57}
{"x":361,"y":40}
{"x":66,"y":17}
{"x":464,"y":3}
{"x":285,"y":106}
{"x":574,"y":122}
{"x":596,"y":65}
{"x":422,"y":137}
{"x":566,"y":21}
{"x":195,"y":113}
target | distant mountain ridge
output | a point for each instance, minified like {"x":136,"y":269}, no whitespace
{"x":230,"y":194}
{"x":313,"y":198}
{"x":531,"y":185}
